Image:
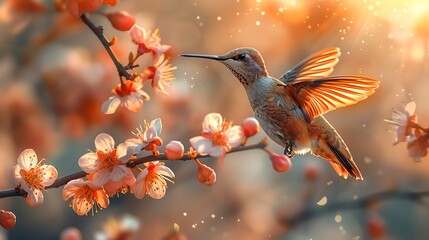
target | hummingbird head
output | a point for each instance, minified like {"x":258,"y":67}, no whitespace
{"x":245,"y":63}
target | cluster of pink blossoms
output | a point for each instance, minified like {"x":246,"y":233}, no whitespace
{"x":404,"y":122}
{"x":129,"y":93}
{"x":111,"y":168}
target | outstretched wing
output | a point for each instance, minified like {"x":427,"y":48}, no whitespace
{"x":317,"y":66}
{"x":319,"y":96}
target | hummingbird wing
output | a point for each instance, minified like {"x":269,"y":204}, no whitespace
{"x":319,"y":96}
{"x":318,"y":65}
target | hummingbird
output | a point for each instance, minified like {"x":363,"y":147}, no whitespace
{"x":290,"y":108}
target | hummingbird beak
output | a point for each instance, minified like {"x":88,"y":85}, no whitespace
{"x":212,"y":57}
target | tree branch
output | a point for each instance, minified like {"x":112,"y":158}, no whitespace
{"x":131,"y":164}
{"x":98,"y":31}
{"x":310,"y":213}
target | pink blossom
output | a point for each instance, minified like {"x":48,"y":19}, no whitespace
{"x":218,"y":137}
{"x":107,"y":163}
{"x":160,"y":73}
{"x":148,"y":42}
{"x":7,"y":219}
{"x":85,"y":195}
{"x":250,"y":126}
{"x":153,"y":180}
{"x":417,"y":146}
{"x":403,"y":120}
{"x":33,"y":176}
{"x":128,"y":94}
{"x":146,"y":138}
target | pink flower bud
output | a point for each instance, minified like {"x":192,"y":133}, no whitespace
{"x":281,"y":163}
{"x":206,"y":175}
{"x":7,"y":219}
{"x":121,"y":20}
{"x":174,"y":150}
{"x":250,"y":126}
{"x":71,"y":233}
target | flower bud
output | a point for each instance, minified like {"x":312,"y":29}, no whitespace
{"x":71,"y":233}
{"x":174,"y":150}
{"x":121,"y":20}
{"x":7,"y":219}
{"x":250,"y":126}
{"x":206,"y":175}
{"x":281,"y":163}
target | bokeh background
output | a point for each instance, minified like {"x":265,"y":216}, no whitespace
{"x":54,"y":75}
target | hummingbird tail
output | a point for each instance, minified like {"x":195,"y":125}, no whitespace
{"x":344,"y":165}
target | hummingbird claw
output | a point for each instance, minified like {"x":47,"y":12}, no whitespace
{"x":288,"y":149}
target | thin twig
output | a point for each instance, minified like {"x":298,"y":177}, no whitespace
{"x":98,"y":31}
{"x":131,"y":163}
{"x":310,"y":213}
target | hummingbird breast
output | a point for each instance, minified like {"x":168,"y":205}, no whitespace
{"x":281,"y":119}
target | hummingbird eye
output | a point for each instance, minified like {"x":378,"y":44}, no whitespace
{"x":240,"y":57}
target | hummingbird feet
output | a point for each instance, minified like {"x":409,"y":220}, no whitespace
{"x":288,"y":149}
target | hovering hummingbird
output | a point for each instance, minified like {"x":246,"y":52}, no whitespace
{"x":290,"y":108}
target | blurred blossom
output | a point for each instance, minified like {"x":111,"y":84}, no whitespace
{"x":376,"y":226}
{"x":418,"y":145}
{"x":86,"y":196}
{"x":17,"y":14}
{"x":311,"y":172}
{"x":218,"y":137}
{"x":7,"y":219}
{"x":174,"y":150}
{"x":152,"y":180}
{"x":71,"y":233}
{"x":126,"y":184}
{"x":205,"y":175}
{"x":33,"y":176}
{"x":146,"y":138}
{"x":111,"y":2}
{"x":77,"y":7}
{"x":128,"y":94}
{"x":160,"y":73}
{"x":118,"y":229}
{"x":121,"y":20}
{"x":403,"y":120}
{"x":107,"y":162}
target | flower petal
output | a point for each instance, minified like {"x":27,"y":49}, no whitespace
{"x":118,"y":173}
{"x":104,"y":142}
{"x":140,"y":187}
{"x":89,"y":162}
{"x":101,"y":198}
{"x":164,"y":170}
{"x":217,"y":151}
{"x":71,"y":188}
{"x":212,"y":122}
{"x":137,"y":34}
{"x":50,"y":174}
{"x":133,"y":102}
{"x":201,"y":144}
{"x":110,"y":105}
{"x":235,"y":136}
{"x":34,"y":198}
{"x":101,"y":177}
{"x":81,"y":206}
{"x":124,"y":152}
{"x":157,"y":125}
{"x":27,"y":159}
{"x":157,"y":188}
{"x":16,"y":174}
{"x":410,"y":108}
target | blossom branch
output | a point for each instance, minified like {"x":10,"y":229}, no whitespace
{"x":98,"y":31}
{"x":309,"y":213}
{"x":131,"y":163}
